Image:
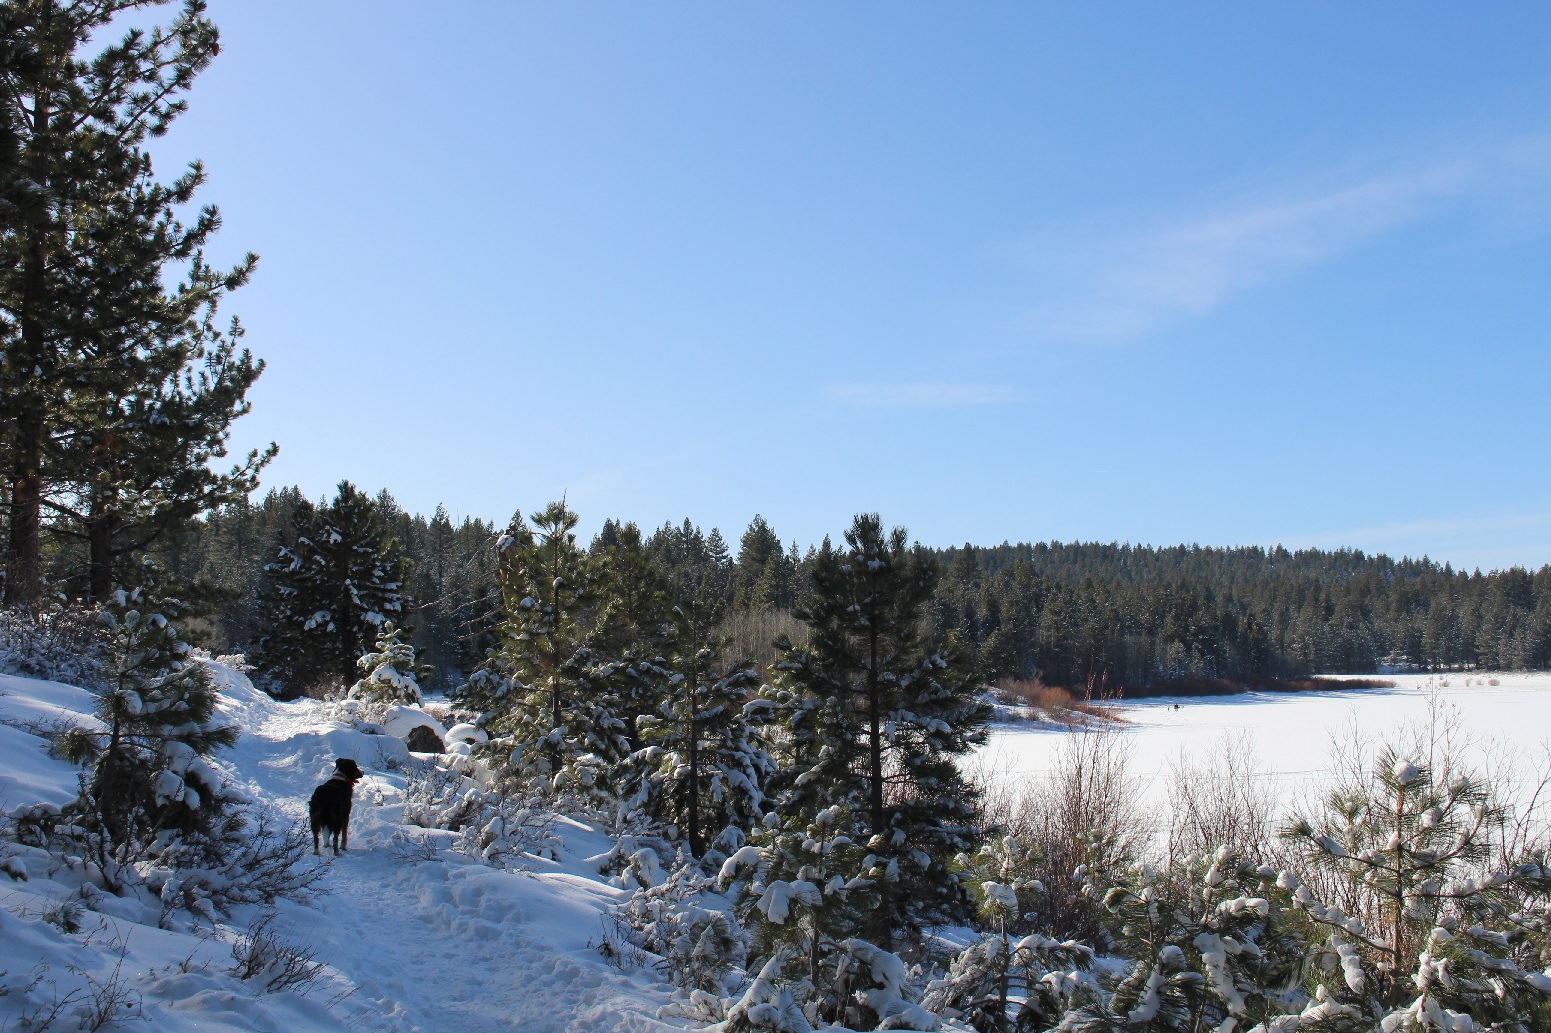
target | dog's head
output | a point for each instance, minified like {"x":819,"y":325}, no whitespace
{"x":348,"y":767}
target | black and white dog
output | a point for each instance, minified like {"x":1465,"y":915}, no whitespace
{"x":330,"y":805}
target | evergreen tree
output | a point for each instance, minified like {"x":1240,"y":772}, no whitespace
{"x":1430,"y":929}
{"x":387,"y":672}
{"x":765,"y":578}
{"x":703,"y":766}
{"x":635,"y":624}
{"x":158,"y":711}
{"x":546,"y":690}
{"x":111,"y":417}
{"x":332,"y":588}
{"x":876,"y":717}
{"x":138,"y":466}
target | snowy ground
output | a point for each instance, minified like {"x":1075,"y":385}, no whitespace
{"x":427,"y":945}
{"x":1290,"y":734}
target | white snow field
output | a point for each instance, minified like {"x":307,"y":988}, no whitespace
{"x":410,"y":945}
{"x":1290,"y":735}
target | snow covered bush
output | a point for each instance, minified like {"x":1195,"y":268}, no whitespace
{"x":1005,"y":982}
{"x":151,"y":784}
{"x":496,"y":827}
{"x":60,"y":642}
{"x":681,"y":921}
{"x":1210,"y":944}
{"x":1415,"y":923}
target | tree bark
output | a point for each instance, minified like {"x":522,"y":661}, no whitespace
{"x":23,"y":580}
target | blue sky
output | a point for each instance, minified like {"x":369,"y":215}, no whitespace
{"x":1231,"y":274}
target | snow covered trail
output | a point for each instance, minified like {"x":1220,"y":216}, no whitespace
{"x":447,"y":944}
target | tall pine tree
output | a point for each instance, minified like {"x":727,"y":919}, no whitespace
{"x":110,"y":418}
{"x":876,"y":718}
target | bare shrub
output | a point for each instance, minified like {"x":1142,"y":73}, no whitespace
{"x":266,"y":860}
{"x":106,"y":1001}
{"x":1055,"y":703}
{"x":414,"y":848}
{"x":1225,"y":800}
{"x":1084,"y":816}
{"x":260,"y":955}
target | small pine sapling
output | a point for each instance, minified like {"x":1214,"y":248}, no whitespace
{"x":151,"y":779}
{"x":813,"y":888}
{"x":388,"y":672}
{"x":1431,"y":930}
{"x":1212,"y":943}
{"x":553,"y":694}
{"x":1004,"y":982}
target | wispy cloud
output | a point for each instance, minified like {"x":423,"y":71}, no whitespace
{"x":1121,"y":284}
{"x":920,"y":396}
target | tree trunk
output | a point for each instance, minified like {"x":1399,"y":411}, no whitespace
{"x":23,"y":584}
{"x":882,"y":918}
{"x":696,"y":847}
{"x":23,"y":581}
{"x":875,"y":736}
{"x":99,"y":537}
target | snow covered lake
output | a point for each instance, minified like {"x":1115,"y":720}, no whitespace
{"x":1290,"y":735}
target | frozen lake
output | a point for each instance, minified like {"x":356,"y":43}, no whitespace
{"x":1290,"y":734}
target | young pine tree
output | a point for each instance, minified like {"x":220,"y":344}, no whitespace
{"x":1003,"y":982}
{"x":150,"y":778}
{"x":546,"y":690}
{"x":388,"y":672}
{"x":875,"y":718}
{"x":703,"y":764}
{"x":1430,"y":929}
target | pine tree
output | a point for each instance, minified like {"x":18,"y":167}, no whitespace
{"x":635,"y":622}
{"x":703,"y":766}
{"x":875,"y":718}
{"x":332,"y":588}
{"x":546,"y":690}
{"x":117,"y":389}
{"x":150,"y":775}
{"x":1432,"y":930}
{"x":388,"y":672}
{"x":1004,"y":983}
{"x":1212,"y":945}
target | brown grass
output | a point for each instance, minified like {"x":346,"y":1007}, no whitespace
{"x":1055,"y":702}
{"x":1230,"y":687}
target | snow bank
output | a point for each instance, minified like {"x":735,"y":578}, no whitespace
{"x":409,"y":940}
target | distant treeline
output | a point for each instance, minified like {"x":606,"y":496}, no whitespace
{"x":1138,"y":616}
{"x":1111,"y":617}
